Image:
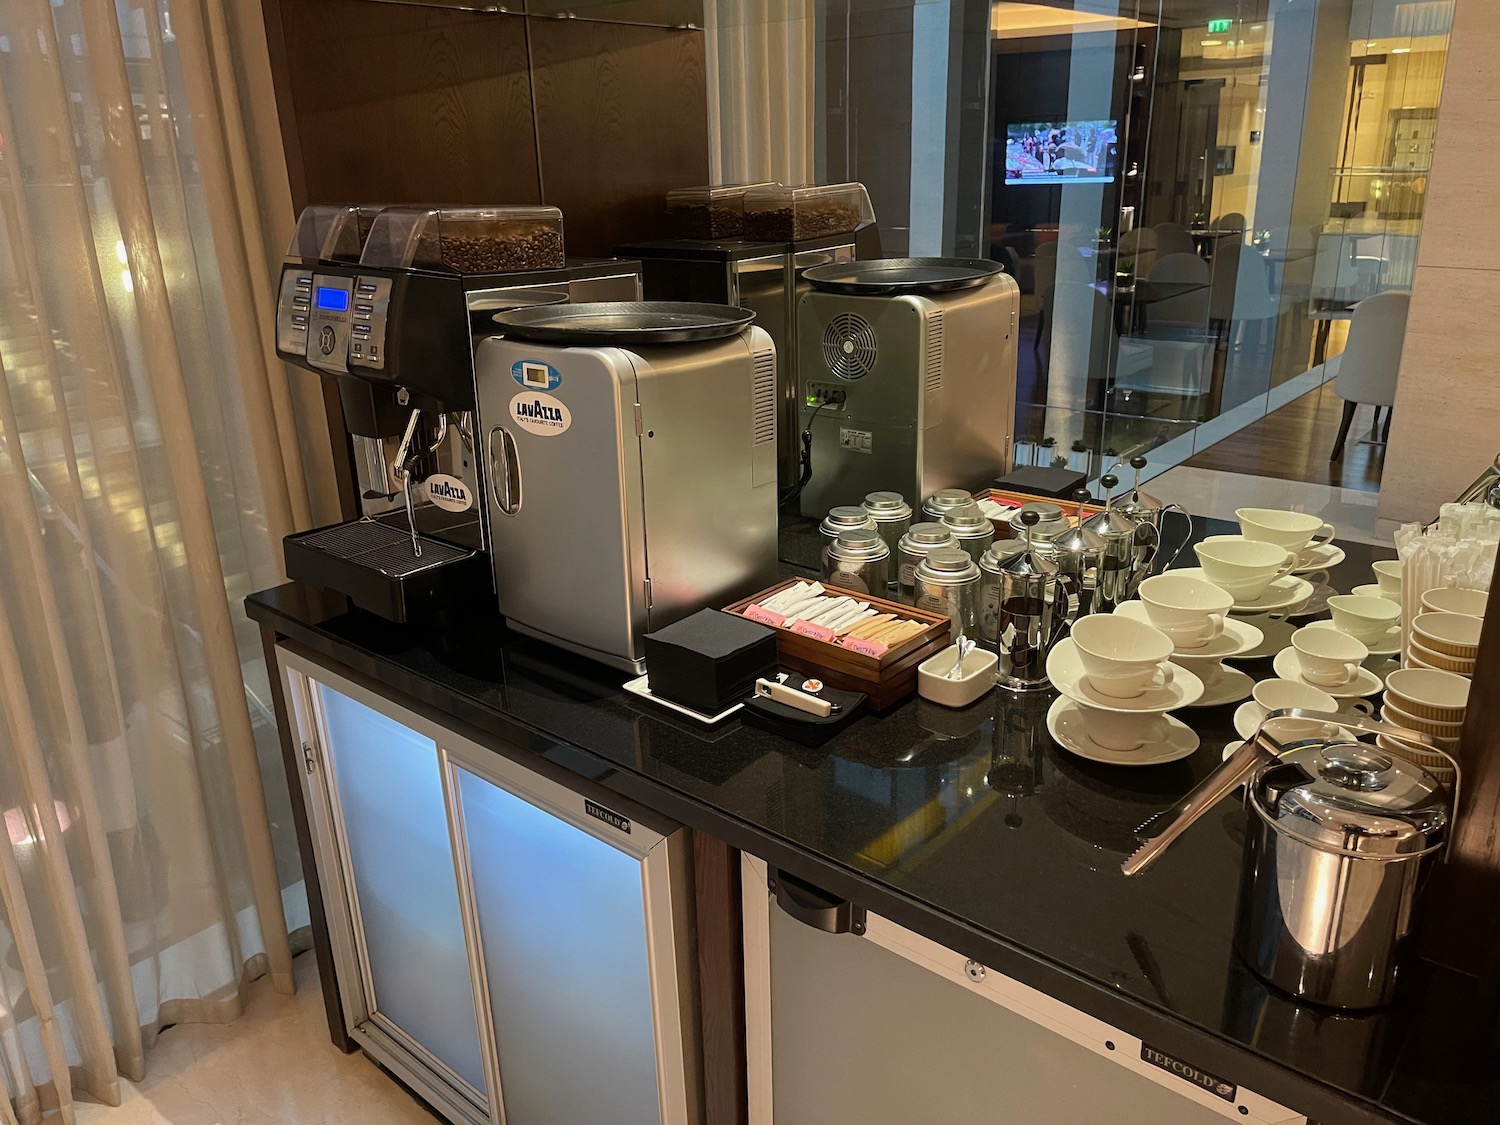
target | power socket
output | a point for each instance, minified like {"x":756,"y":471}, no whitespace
{"x":826,"y":394}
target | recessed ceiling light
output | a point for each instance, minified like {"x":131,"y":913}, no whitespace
{"x":1257,"y":27}
{"x":1211,"y":43}
{"x":1371,"y":44}
{"x":1400,"y":50}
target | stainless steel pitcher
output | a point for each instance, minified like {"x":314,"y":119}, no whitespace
{"x":1147,"y":509}
{"x":1078,"y":552}
{"x":1125,"y":563}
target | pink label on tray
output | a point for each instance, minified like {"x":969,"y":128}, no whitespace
{"x":816,"y":632}
{"x":867,"y":648}
{"x":764,"y":616}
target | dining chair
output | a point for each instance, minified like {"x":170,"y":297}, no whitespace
{"x":1173,"y":238}
{"x":1366,"y":370}
{"x":1188,"y":312}
{"x":1233,"y":220}
{"x":1138,"y":247}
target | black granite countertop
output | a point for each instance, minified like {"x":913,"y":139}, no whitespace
{"x":973,"y":829}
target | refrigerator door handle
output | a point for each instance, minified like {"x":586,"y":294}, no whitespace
{"x":815,"y":907}
{"x":505,"y":471}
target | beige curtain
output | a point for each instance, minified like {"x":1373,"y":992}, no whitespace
{"x":150,"y":461}
{"x":761,"y":86}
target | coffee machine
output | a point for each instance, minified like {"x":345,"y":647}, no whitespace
{"x":907,"y":378}
{"x":715,"y":260}
{"x":389,"y":302}
{"x":632,"y":454}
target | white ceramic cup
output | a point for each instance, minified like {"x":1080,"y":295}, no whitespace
{"x":1328,"y":658}
{"x":1455,"y":599}
{"x":1366,"y":619}
{"x":1123,"y":730}
{"x":1388,"y":576}
{"x":1122,"y":657}
{"x":1369,"y":590}
{"x":1281,"y":695}
{"x":1189,"y":610}
{"x":1244,"y":567}
{"x":1291,"y":531}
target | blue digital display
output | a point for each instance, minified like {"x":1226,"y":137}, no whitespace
{"x":334,"y":300}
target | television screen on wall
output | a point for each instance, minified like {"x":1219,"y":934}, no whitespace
{"x":1061,"y":152}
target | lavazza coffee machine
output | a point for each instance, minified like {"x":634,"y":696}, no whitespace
{"x":389,"y":302}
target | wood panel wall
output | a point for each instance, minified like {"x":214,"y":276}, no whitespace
{"x":415,"y":103}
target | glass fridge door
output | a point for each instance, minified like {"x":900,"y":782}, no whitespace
{"x":563,"y":920}
{"x":388,"y":815}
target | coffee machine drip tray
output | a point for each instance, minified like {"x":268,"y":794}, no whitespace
{"x":372,"y":562}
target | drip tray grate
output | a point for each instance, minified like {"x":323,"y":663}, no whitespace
{"x":349,"y":539}
{"x":397,"y":560}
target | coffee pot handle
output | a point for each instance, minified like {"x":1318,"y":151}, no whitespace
{"x":1186,"y":539}
{"x":1066,"y":583}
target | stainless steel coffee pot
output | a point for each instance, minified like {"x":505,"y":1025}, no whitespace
{"x":1147,"y":509}
{"x":1124,"y":564}
{"x":1078,"y":551}
{"x":1026,"y":606}
{"x":1340,"y":838}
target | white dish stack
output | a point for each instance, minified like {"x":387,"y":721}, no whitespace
{"x":1457,"y":552}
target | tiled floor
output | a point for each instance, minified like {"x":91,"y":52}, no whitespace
{"x":273,"y":1066}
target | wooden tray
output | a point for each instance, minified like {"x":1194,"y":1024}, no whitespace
{"x":1002,"y":496}
{"x":887,"y":679}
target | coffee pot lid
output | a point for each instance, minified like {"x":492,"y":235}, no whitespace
{"x":1111,"y":523}
{"x":1136,"y":500}
{"x":1353,"y":799}
{"x":1027,"y":562}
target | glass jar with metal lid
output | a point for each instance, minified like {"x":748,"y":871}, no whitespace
{"x":972,"y":528}
{"x":858,"y":560}
{"x":1334,"y":859}
{"x":1050,"y":520}
{"x":892,"y":516}
{"x":947,"y":581}
{"x":942,"y":500}
{"x":919,"y":540}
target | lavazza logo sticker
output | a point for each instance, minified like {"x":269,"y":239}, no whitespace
{"x":449,"y":493}
{"x":539,"y":413}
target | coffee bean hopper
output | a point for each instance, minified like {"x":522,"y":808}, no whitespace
{"x":389,"y":302}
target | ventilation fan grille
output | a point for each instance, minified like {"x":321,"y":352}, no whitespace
{"x":933,"y":361}
{"x":763,"y":397}
{"x":849,"y":346}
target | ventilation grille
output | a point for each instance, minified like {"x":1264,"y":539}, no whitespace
{"x":849,"y":346}
{"x":763,"y":397}
{"x":933,"y":361}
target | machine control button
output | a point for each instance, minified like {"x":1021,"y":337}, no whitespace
{"x":300,"y":320}
{"x":327,"y":339}
{"x":364,"y":308}
{"x":304,"y":283}
{"x":301,"y":303}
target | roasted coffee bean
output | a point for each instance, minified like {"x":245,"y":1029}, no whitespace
{"x":807,"y":220}
{"x":706,"y":220}
{"x":534,"y":247}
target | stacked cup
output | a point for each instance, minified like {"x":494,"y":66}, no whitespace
{"x":1243,"y":567}
{"x":1291,"y":531}
{"x":1127,"y":683}
{"x":1447,"y":642}
{"x":1193,"y":613}
{"x":1325,"y":658}
{"x":1432,"y":702}
{"x":1373,"y":621}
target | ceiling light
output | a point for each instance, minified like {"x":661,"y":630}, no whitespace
{"x":1371,"y":44}
{"x":1257,"y":27}
{"x":1400,"y":50}
{"x":1211,"y":43}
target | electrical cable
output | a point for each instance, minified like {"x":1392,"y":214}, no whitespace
{"x":806,"y":459}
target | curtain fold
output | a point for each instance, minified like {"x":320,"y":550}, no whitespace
{"x":761,"y":89}
{"x":153,"y":452}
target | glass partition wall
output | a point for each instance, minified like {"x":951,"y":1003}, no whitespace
{"x":1264,"y":170}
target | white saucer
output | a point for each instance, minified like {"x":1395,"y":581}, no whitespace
{"x":1320,"y":556}
{"x":1364,"y":683}
{"x":1276,"y":633}
{"x":1231,"y":748}
{"x":1065,"y":670}
{"x":1238,"y":637}
{"x":1229,"y":686}
{"x":1389,"y":643}
{"x":1286,"y":592}
{"x":1066,"y":726}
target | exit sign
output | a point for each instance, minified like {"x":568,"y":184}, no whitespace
{"x":1219,"y":27}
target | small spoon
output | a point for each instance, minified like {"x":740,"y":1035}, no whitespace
{"x":965,"y":646}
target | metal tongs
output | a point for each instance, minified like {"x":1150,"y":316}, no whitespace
{"x":407,"y":460}
{"x":1259,"y":750}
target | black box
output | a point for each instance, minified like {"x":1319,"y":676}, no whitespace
{"x":709,"y":661}
{"x":1039,"y":480}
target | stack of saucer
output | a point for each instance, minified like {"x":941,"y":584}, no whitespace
{"x":1194,"y":614}
{"x":1431,"y":702}
{"x":1448,"y":642}
{"x":1117,"y":687}
{"x":1329,"y":660}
